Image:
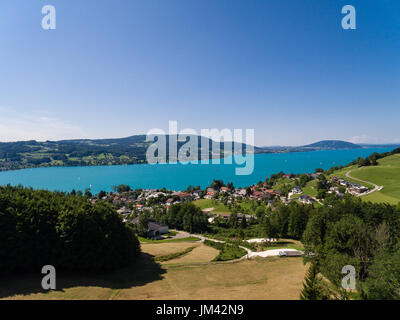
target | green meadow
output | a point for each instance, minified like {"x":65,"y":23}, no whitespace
{"x":218,"y":206}
{"x":386,"y":174}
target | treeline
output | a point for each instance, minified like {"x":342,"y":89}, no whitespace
{"x":287,"y":221}
{"x":346,"y":232}
{"x":372,"y":160}
{"x":360,"y":234}
{"x":183,"y":216}
{"x":40,"y":228}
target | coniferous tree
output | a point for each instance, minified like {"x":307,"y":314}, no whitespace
{"x":312,"y":286}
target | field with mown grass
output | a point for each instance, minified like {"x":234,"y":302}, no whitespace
{"x":191,"y":276}
{"x":261,"y":278}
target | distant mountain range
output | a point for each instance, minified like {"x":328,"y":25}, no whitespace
{"x":129,"y":150}
{"x":90,"y":152}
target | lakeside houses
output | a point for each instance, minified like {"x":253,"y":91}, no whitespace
{"x":132,"y":203}
{"x":351,"y":187}
{"x":137,"y":201}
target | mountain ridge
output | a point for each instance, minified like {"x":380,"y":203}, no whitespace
{"x":120,"y":151}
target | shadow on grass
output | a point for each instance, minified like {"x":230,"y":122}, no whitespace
{"x":143,"y":271}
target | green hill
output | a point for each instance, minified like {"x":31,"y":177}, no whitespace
{"x":89,"y":152}
{"x":333,"y":144}
{"x":386,"y":174}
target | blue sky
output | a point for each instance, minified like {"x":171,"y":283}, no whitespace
{"x":283,"y":67}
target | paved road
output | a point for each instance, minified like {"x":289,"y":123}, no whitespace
{"x":376,"y":187}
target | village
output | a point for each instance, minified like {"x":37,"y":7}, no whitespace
{"x":131,"y":203}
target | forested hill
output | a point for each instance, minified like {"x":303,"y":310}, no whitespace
{"x":320,"y":145}
{"x":332,"y":144}
{"x":129,"y":150}
{"x":85,"y":152}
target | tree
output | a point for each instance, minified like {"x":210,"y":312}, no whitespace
{"x":41,"y":227}
{"x":217,"y":184}
{"x":363,"y":162}
{"x":187,"y":216}
{"x":260,"y":212}
{"x":122,"y":188}
{"x":142,"y":227}
{"x":88,"y":194}
{"x":312,"y":285}
{"x":298,"y":219}
{"x":248,"y":192}
{"x":243,"y":222}
{"x":321,"y":193}
{"x":101,"y":194}
{"x":270,"y":226}
{"x":384,"y":277}
{"x":241,"y":234}
{"x":233,"y":220}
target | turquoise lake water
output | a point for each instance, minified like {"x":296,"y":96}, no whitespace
{"x":179,"y":176}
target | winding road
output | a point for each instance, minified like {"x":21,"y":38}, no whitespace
{"x":376,"y":187}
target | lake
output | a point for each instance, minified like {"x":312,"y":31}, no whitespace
{"x":179,"y":176}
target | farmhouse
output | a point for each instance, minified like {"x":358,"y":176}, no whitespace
{"x":296,"y":190}
{"x":306,"y":199}
{"x":155,"y":229}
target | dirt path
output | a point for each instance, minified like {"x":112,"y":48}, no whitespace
{"x":250,"y":254}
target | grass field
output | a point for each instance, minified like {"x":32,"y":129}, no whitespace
{"x":310,"y":189}
{"x":201,"y":254}
{"x":386,"y":174}
{"x":342,"y":174}
{"x":270,"y":278}
{"x":163,"y":249}
{"x":192,"y":276}
{"x":218,"y":206}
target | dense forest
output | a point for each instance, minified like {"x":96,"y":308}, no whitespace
{"x":40,"y":228}
{"x":345,"y":232}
